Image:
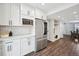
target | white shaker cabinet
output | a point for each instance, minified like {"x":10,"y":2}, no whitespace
{"x":27,"y":45}
{"x":24,"y":46}
{"x":0,"y":50}
{"x":16,"y":47}
{"x":10,"y":14}
{"x":43,"y":16}
{"x":32,"y":43}
{"x":5,"y":14}
{"x":15,"y":14}
{"x":40,"y":14}
{"x":27,"y":11}
{"x":7,"y":48}
{"x":10,"y":48}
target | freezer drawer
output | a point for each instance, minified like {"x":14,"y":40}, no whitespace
{"x":38,"y":46}
{"x":41,"y":43}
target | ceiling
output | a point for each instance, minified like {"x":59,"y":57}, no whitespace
{"x":69,"y":14}
{"x":51,"y":7}
{"x":60,"y":11}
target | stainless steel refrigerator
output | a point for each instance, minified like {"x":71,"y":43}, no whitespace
{"x":40,"y":34}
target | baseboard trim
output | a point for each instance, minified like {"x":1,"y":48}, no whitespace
{"x":53,"y":40}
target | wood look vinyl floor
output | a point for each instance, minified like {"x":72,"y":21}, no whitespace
{"x":61,"y":47}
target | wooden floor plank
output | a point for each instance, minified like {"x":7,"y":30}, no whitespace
{"x":61,"y":47}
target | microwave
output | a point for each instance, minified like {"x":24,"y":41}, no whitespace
{"x":27,"y":21}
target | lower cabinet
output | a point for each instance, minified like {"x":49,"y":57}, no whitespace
{"x":17,"y":47}
{"x":24,"y":46}
{"x":0,"y":49}
{"x":10,"y":48}
{"x":27,"y":45}
{"x":6,"y":48}
{"x":32,"y":43}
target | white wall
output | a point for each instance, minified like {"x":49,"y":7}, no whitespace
{"x":50,"y":30}
{"x":68,"y":27}
{"x":76,"y":26}
{"x":59,"y":30}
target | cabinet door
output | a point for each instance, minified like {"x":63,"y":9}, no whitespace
{"x":43,"y":16}
{"x":27,"y":11}
{"x":38,"y":14}
{"x":4,"y":14}
{"x":24,"y":46}
{"x":0,"y":49}
{"x":16,"y":48}
{"x":7,"y":48}
{"x":32,"y":43}
{"x":15,"y":14}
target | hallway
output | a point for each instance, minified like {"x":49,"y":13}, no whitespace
{"x":61,"y":47}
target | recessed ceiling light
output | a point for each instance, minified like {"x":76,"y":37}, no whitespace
{"x":42,"y":3}
{"x":63,"y":18}
{"x":74,"y":12}
{"x":59,"y":16}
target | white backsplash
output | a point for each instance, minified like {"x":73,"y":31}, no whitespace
{"x":17,"y":30}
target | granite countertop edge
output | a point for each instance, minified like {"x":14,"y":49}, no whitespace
{"x":16,"y":37}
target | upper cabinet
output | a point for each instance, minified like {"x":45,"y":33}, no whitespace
{"x":10,"y":14}
{"x":30,"y":12}
{"x":15,"y":14}
{"x":4,"y":14}
{"x":40,"y":14}
{"x":27,"y":12}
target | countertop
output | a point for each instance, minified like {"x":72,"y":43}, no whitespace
{"x":16,"y":37}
